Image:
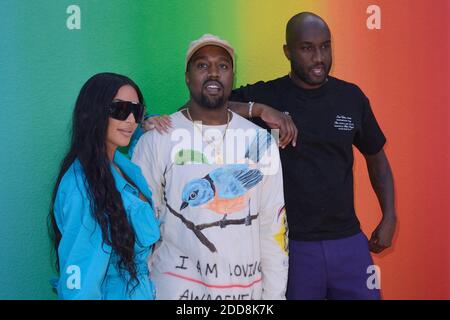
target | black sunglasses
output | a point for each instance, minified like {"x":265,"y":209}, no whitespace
{"x":120,"y":110}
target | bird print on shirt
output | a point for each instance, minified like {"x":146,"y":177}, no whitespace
{"x":225,"y":190}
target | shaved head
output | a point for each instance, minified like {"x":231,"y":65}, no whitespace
{"x":308,"y":48}
{"x":303,"y":23}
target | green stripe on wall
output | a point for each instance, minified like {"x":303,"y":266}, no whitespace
{"x":42,"y":68}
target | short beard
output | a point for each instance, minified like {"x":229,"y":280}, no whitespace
{"x":304,"y":76}
{"x":203,"y":101}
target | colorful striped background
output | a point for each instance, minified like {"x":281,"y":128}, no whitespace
{"x":403,"y":68}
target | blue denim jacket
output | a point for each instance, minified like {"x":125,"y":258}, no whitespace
{"x":87,"y":265}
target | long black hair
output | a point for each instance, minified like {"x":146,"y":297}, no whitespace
{"x":89,"y":127}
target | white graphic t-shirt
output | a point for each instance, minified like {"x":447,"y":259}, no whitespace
{"x":218,"y":192}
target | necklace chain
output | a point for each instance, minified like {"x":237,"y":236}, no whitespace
{"x":217,"y":149}
{"x":201,"y":130}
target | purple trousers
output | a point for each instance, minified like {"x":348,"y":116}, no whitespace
{"x":331,"y":269}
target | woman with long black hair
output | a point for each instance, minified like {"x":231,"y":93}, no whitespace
{"x":102,"y":217}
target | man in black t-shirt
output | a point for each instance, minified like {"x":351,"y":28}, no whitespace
{"x":329,"y":255}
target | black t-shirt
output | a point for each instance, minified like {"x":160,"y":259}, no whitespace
{"x":318,"y":172}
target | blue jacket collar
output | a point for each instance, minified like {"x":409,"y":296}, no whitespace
{"x":132,"y":171}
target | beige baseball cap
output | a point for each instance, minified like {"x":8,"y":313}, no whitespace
{"x":208,"y":40}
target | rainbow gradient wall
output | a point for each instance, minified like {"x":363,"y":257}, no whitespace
{"x":403,"y":67}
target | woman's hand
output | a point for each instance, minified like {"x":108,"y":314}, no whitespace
{"x":160,"y":123}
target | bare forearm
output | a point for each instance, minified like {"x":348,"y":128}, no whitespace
{"x":243,"y":108}
{"x":240,"y":108}
{"x":383,"y":186}
{"x":382,"y":181}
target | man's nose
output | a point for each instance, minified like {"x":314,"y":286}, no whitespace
{"x":317,"y":56}
{"x":213,"y":71}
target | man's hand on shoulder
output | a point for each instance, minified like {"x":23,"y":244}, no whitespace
{"x":278,"y":120}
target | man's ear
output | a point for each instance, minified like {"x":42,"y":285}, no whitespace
{"x":186,"y":77}
{"x":287,"y":53}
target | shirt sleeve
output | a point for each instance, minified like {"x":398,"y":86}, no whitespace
{"x":273,"y":228}
{"x":146,"y":157}
{"x":240,"y":94}
{"x":260,"y":92}
{"x":84,"y":259}
{"x":369,"y":139}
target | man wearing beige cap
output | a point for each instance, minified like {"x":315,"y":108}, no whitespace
{"x":217,"y":188}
